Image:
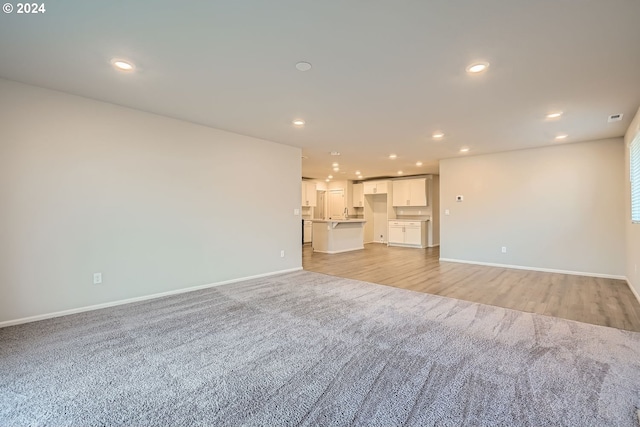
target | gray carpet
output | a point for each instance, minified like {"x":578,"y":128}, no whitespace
{"x":310,"y":349}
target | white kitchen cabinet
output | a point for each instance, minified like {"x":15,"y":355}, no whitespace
{"x":410,"y":192}
{"x":413,"y":234}
{"x":407,"y":233}
{"x":309,"y":194}
{"x":395,"y":234}
{"x":401,"y":195}
{"x":357,"y":199}
{"x":375,"y":187}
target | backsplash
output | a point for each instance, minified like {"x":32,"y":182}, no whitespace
{"x":413,"y":212}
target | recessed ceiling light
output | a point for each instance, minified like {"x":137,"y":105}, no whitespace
{"x":327,"y":180}
{"x":400,"y":172}
{"x":464,"y":149}
{"x":330,"y":176}
{"x":122,"y":65}
{"x":359,"y":176}
{"x":418,"y":163}
{"x":298,"y":122}
{"x":477,"y":67}
{"x":357,"y":172}
{"x":336,"y":169}
{"x":303,"y":66}
{"x":438,"y":135}
{"x":561,"y":136}
{"x":335,"y":165}
{"x":335,"y":153}
{"x":554,"y":115}
{"x":393,"y":156}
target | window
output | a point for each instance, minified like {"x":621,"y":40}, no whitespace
{"x":634,"y":172}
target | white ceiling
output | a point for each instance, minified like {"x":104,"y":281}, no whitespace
{"x":385,"y":76}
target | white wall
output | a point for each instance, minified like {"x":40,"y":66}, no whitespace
{"x":558,"y":207}
{"x":153,"y":203}
{"x":632,"y":231}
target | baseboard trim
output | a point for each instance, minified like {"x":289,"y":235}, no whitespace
{"x":546,"y":270}
{"x":633,"y":290}
{"x":403,"y":245}
{"x":138,"y":299}
{"x":338,"y":252}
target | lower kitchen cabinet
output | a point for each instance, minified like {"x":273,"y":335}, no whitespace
{"x":307,"y":231}
{"x":407,"y":233}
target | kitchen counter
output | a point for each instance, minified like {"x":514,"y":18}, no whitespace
{"x":339,"y":221}
{"x":332,"y":236}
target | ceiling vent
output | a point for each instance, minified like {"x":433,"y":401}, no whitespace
{"x":615,"y":118}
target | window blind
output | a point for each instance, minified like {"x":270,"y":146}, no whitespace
{"x":634,"y":172}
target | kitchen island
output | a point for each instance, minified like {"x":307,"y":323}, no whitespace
{"x":332,"y":236}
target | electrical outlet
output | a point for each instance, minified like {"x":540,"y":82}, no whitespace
{"x":446,"y":212}
{"x":282,"y":253}
{"x":296,"y":211}
{"x":97,"y":278}
{"x":504,"y":249}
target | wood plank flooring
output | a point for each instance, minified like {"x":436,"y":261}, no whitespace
{"x":599,"y":301}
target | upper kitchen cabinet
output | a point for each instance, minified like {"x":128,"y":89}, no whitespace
{"x":410,"y":192}
{"x":357,"y":198}
{"x":309,"y":194}
{"x":375,"y":187}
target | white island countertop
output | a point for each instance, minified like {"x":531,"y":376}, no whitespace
{"x":333,"y":236}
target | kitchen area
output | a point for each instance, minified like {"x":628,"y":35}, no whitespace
{"x":342,"y":216}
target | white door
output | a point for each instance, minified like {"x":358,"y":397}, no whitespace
{"x":318,"y":212}
{"x":336,"y":204}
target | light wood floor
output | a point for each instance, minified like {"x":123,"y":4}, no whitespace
{"x":599,"y":301}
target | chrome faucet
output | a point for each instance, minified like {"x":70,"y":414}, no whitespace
{"x":346,"y":213}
